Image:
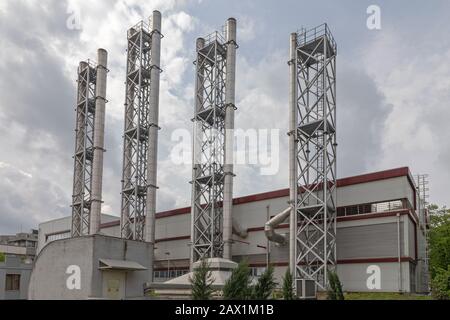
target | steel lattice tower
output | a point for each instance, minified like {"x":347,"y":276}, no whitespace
{"x":84,"y":149}
{"x":140,"y":130}
{"x":214,"y":101}
{"x":313,"y":154}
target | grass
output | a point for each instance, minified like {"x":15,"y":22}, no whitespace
{"x":385,"y":296}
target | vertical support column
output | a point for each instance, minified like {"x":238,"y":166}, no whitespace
{"x":315,"y":220}
{"x":293,"y":121}
{"x":141,"y":130}
{"x":229,"y":137}
{"x":83,"y":156}
{"x":99,"y":138}
{"x":196,"y":142}
{"x":208,"y":172}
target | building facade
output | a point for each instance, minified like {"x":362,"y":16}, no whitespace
{"x":380,"y":234}
{"x":14,"y":277}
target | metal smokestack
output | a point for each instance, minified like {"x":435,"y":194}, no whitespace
{"x":229,"y":128}
{"x":292,"y":150}
{"x":99,"y":138}
{"x":152,"y":155}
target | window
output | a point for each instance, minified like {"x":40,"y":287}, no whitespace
{"x":57,"y":236}
{"x":12,"y":282}
{"x":164,"y":274}
{"x":371,"y":208}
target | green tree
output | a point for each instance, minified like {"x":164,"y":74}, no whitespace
{"x":439,"y":238}
{"x":440,"y":284}
{"x":288,"y":286}
{"x":201,"y":282}
{"x":238,"y":286}
{"x":335,"y":291}
{"x":2,"y":257}
{"x":266,"y":284}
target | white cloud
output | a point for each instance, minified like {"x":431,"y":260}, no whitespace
{"x":415,"y":81}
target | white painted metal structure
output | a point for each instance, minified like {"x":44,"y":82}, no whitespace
{"x":89,"y":140}
{"x":140,"y":130}
{"x":212,"y":174}
{"x":313,"y":154}
{"x":99,"y":139}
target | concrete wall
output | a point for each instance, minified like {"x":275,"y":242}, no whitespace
{"x":14,"y":265}
{"x":49,"y":277}
{"x":354,"y":276}
{"x":63,"y":225}
{"x":375,"y":191}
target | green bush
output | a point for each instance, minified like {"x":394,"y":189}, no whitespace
{"x":440,"y":284}
{"x":202,"y":281}
{"x":335,"y":291}
{"x":2,"y":257}
{"x":288,"y":286}
{"x":265,"y":285}
{"x":238,"y":286}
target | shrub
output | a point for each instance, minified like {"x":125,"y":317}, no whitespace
{"x":335,"y":287}
{"x":288,"y":286}
{"x":440,"y":285}
{"x":238,"y":287}
{"x":202,"y":281}
{"x":265,"y":285}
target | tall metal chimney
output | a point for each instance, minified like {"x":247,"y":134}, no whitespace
{"x":141,"y":131}
{"x":152,"y":155}
{"x":229,"y":137}
{"x":99,"y":138}
{"x":293,"y":120}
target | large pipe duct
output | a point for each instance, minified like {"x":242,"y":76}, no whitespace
{"x":229,"y":128}
{"x":269,"y":228}
{"x":152,"y":155}
{"x":242,"y":233}
{"x":293,"y":121}
{"x":99,"y":138}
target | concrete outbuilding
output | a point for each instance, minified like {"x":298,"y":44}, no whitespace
{"x":91,"y":267}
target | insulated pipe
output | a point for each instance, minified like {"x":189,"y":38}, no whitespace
{"x":99,"y":139}
{"x":229,"y":128}
{"x":293,"y":151}
{"x":243,"y":233}
{"x":196,"y":143}
{"x":152,"y":154}
{"x":269,"y":227}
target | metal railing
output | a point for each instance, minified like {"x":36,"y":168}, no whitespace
{"x":305,"y":36}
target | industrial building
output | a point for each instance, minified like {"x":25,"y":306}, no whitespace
{"x":368,"y":226}
{"x":378,"y":223}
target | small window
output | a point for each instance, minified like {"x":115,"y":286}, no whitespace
{"x":12,"y":282}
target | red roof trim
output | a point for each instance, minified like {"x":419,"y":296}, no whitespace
{"x":363,"y":178}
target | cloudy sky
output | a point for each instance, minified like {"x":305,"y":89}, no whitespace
{"x":393,"y":91}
